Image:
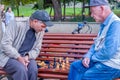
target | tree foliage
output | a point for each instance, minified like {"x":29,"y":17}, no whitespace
{"x":19,"y":2}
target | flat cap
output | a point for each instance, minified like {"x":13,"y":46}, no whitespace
{"x":43,"y":16}
{"x":98,"y":2}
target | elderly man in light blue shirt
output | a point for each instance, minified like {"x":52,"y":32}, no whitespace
{"x":102,"y":62}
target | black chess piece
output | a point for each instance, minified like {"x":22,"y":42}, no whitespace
{"x":49,"y":65}
{"x":54,"y":63}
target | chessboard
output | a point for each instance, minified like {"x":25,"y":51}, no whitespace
{"x":57,"y":64}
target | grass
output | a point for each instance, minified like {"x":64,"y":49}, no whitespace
{"x":27,"y":11}
{"x":69,"y":11}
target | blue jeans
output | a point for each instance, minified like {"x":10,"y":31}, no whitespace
{"x":96,"y":71}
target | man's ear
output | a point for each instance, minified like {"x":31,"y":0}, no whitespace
{"x":102,"y":8}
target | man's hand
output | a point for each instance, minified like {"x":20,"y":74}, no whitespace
{"x":21,"y":59}
{"x":86,"y":62}
{"x":26,"y":58}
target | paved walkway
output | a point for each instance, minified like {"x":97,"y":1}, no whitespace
{"x":65,"y":27}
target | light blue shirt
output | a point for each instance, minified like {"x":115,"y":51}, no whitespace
{"x":111,"y":43}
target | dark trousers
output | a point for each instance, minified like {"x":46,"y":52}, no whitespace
{"x":19,"y":72}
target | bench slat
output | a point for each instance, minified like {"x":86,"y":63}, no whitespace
{"x":53,"y":71}
{"x":68,"y":38}
{"x":66,"y":46}
{"x":64,"y":50}
{"x":2,"y":72}
{"x":61,"y":55}
{"x":53,"y":76}
{"x":66,"y":42}
{"x":57,"y":59}
{"x":67,"y":34}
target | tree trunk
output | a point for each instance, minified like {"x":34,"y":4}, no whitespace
{"x":83,"y":10}
{"x":18,"y":11}
{"x":57,"y":10}
{"x":50,"y":11}
{"x":17,"y":7}
{"x":64,"y":3}
{"x":74,"y":8}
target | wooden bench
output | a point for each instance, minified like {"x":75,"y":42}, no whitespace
{"x":58,"y":51}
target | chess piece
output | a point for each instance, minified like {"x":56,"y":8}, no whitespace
{"x":67,"y":63}
{"x":57,"y":66}
{"x":60,"y":62}
{"x":60,"y":59}
{"x":67,"y":60}
{"x":54,"y":64}
{"x":49,"y":65}
{"x":63,"y":65}
{"x":38,"y":62}
{"x":42,"y":64}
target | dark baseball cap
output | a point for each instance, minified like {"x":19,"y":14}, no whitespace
{"x":43,"y":16}
{"x":98,"y":2}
